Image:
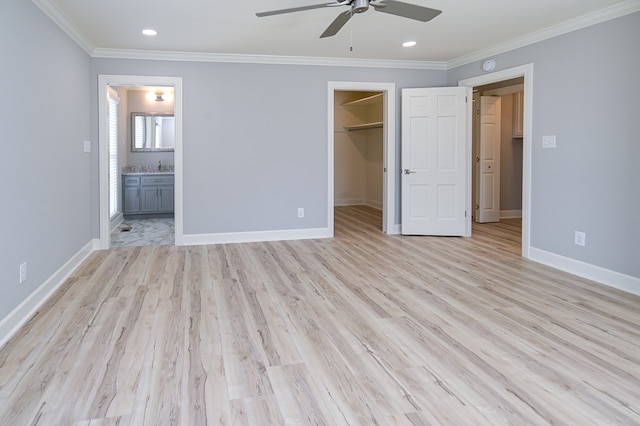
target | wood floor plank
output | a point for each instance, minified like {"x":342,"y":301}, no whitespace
{"x":361,"y":329}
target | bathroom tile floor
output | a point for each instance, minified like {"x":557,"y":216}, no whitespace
{"x":144,"y":232}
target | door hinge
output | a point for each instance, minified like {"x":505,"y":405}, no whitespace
{"x":466,"y":100}
{"x":465,"y":213}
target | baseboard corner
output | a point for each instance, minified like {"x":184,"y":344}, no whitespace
{"x":10,"y":325}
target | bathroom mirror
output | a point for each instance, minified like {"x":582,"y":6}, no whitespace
{"x":152,"y":132}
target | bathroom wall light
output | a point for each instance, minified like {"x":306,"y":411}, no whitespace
{"x":159,"y":97}
{"x":149,"y":32}
{"x":409,"y":44}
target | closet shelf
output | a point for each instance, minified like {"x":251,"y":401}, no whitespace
{"x":364,"y":126}
{"x":369,"y":100}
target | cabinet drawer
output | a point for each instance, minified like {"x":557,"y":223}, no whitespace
{"x":131,"y":180}
{"x":157,"y":180}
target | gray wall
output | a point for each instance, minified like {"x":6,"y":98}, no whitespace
{"x":585,"y":91}
{"x":255,"y":139}
{"x":44,"y":178}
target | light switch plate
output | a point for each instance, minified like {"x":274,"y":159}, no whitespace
{"x":548,"y":141}
{"x":87,"y":146}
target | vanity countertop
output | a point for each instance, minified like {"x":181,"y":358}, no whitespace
{"x":146,"y":173}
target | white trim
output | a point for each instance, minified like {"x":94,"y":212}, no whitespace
{"x":510,"y":214}
{"x":350,"y":202}
{"x":118,"y":218}
{"x":266,"y":59}
{"x":595,"y":273}
{"x":525,"y":71}
{"x":396,"y":229}
{"x":29,"y":306}
{"x":256,"y":236}
{"x":375,"y":204}
{"x":59,"y":18}
{"x":104,"y":81}
{"x":597,"y":17}
{"x":389,"y":147}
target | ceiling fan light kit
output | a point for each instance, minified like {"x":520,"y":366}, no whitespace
{"x":392,"y":7}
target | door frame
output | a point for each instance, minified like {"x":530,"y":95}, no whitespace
{"x":525,"y":71}
{"x":389,"y":225}
{"x":104,"y":82}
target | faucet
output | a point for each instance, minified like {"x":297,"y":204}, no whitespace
{"x":159,"y":166}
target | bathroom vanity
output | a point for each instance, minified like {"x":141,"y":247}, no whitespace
{"x":147,"y":194}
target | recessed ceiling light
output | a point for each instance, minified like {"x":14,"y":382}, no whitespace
{"x":149,"y":32}
{"x":409,"y":43}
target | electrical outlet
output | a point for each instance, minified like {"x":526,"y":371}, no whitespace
{"x":548,"y":141}
{"x":87,"y":146}
{"x":580,"y":238}
{"x":23,"y":272}
{"x":300,"y":212}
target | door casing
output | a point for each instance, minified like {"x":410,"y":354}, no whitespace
{"x":104,"y":82}
{"x":525,"y":71}
{"x":389,"y":225}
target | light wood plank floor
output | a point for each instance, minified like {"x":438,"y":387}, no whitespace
{"x":363,"y":329}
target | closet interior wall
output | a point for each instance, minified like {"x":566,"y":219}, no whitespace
{"x":358,"y":148}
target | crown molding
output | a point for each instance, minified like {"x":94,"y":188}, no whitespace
{"x":597,"y":17}
{"x":265,"y":59}
{"x":603,"y":15}
{"x":57,"y":16}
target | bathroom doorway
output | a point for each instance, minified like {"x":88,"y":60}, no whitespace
{"x":154,"y":198}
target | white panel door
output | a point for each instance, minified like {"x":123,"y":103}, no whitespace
{"x":434,"y":152}
{"x":488,"y":208}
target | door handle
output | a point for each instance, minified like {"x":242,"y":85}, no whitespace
{"x":407,"y":171}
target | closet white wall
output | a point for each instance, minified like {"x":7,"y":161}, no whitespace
{"x":358,"y":139}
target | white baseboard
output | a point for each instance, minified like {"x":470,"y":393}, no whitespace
{"x":253,"y":237}
{"x":24,"y":311}
{"x":395,"y":229}
{"x":117,"y":220}
{"x":375,"y":204}
{"x":349,"y":202}
{"x":595,"y":273}
{"x":510,"y":214}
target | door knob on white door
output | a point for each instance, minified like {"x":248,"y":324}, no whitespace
{"x":407,"y":171}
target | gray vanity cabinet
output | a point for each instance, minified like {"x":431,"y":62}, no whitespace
{"x":150,"y":194}
{"x":131,"y":199}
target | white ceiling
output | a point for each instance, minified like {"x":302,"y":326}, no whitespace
{"x":231,"y":27}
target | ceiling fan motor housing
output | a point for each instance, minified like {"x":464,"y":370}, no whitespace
{"x":360,"y":6}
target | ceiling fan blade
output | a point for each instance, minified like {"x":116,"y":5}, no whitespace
{"x":337,"y":24}
{"x":406,"y":10}
{"x":295,"y":9}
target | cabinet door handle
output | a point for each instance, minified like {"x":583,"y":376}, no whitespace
{"x":138,"y":193}
{"x":160,"y":192}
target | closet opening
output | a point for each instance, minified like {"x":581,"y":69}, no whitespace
{"x":359,"y":157}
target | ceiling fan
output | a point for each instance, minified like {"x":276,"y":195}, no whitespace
{"x":393,"y":7}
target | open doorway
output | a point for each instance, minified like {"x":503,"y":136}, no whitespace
{"x":150,"y":194}
{"x":497,"y":166}
{"x":518,"y":80}
{"x":358,"y":161}
{"x":141,"y":179}
{"x":357,"y":113}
